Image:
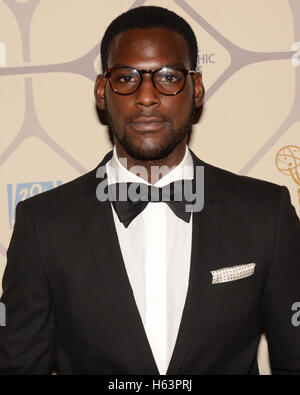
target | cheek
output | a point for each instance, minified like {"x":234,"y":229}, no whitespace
{"x":178,"y":107}
{"x":175,"y":107}
{"x":118,"y":106}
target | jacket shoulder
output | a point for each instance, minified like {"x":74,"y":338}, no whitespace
{"x":235,"y":184}
{"x":64,"y":197}
{"x":249,"y":196}
{"x":228,"y":179}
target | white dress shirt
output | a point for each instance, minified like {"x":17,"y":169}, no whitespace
{"x":156,"y":249}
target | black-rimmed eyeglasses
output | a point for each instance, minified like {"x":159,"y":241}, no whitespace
{"x":126,"y":80}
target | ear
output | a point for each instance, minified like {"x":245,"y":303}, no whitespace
{"x":198,"y":89}
{"x":99,"y":91}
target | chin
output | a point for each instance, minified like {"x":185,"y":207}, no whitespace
{"x":150,"y":149}
{"x":146,"y":155}
{"x":149,"y":153}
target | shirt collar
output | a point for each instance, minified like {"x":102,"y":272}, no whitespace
{"x":117,"y":172}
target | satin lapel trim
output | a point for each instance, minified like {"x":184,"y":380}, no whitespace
{"x":106,"y":252}
{"x":205,"y":243}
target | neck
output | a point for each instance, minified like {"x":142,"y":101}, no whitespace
{"x":152,"y":170}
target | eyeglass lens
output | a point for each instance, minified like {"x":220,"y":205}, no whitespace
{"x":166,"y":80}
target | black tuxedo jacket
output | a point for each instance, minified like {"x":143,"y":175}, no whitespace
{"x":70,"y":307}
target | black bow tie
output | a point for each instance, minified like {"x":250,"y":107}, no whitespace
{"x":176,"y":195}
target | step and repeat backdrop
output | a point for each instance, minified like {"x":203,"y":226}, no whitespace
{"x":249,"y":55}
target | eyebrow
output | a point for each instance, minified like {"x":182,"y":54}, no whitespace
{"x":178,"y":64}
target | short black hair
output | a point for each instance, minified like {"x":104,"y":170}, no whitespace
{"x":147,"y":17}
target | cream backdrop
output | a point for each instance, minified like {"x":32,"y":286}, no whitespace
{"x":49,"y":57}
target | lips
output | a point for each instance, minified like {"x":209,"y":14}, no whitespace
{"x":147,"y":124}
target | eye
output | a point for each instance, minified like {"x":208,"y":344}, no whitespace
{"x":125,"y":79}
{"x":169,"y":78}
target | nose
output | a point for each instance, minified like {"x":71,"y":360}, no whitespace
{"x":147,"y":95}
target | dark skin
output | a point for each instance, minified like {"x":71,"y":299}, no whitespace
{"x":164,"y":145}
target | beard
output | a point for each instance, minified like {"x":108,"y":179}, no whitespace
{"x":168,"y":143}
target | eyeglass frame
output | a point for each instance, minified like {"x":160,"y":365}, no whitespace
{"x":141,"y":73}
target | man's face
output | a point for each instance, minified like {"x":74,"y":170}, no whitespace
{"x":146,"y":124}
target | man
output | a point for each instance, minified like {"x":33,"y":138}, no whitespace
{"x":94,"y":286}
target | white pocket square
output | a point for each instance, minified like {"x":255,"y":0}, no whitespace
{"x":232,"y":273}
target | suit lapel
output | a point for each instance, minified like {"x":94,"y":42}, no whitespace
{"x":107,"y":257}
{"x":205,"y":240}
{"x":108,"y":260}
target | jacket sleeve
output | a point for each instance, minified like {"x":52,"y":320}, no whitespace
{"x":26,"y":342}
{"x":282,"y":292}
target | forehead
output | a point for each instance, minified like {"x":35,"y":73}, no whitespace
{"x":147,"y":48}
